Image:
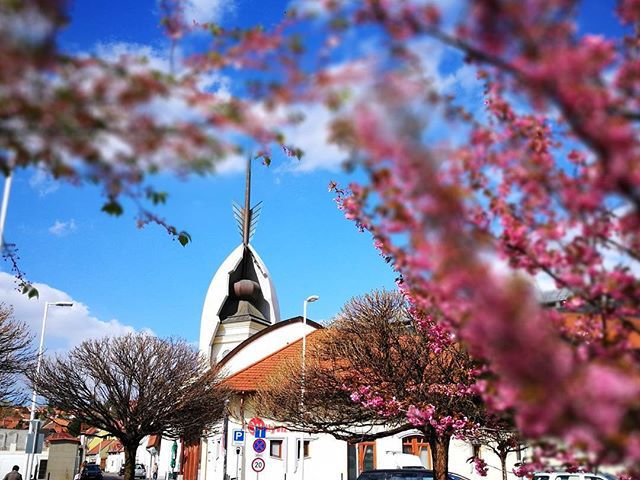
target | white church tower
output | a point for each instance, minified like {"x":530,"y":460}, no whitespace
{"x":241,"y":299}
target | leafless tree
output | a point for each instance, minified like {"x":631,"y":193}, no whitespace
{"x":133,"y":386}
{"x":16,"y":353}
{"x":327,"y":406}
{"x":374,"y":346}
{"x":501,"y":437}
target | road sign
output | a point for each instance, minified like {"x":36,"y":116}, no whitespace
{"x":253,"y":423}
{"x":259,"y":445}
{"x":260,"y":432}
{"x":35,"y":441}
{"x":257,"y":465}
{"x":238,"y":437}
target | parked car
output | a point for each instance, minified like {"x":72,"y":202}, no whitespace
{"x":404,"y":474}
{"x":91,"y":472}
{"x":567,"y":476}
{"x":140,"y":471}
{"x":121,"y":471}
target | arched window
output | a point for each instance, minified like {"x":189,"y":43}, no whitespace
{"x":417,"y":445}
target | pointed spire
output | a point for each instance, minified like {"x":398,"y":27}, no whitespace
{"x":247,"y":217}
{"x":246,"y":222}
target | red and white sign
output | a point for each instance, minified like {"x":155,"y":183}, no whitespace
{"x":258,"y":422}
{"x":253,"y":423}
{"x":257,"y":465}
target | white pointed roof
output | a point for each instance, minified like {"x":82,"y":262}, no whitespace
{"x":219,"y":291}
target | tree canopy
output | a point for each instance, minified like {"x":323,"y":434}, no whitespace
{"x":134,"y":386}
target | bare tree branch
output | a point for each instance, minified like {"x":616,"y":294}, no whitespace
{"x":133,"y":386}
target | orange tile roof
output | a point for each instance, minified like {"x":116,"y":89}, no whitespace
{"x":62,"y":436}
{"x":251,"y":378}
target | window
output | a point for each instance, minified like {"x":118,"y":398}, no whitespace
{"x":366,"y":456}
{"x":42,"y":469}
{"x":306,"y":449}
{"x":416,"y":445}
{"x":275,"y":448}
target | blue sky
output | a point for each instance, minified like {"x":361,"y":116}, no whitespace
{"x":122,"y":278}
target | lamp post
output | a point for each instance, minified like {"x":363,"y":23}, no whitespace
{"x":310,"y":299}
{"x":34,"y":394}
{"x":4,"y":206}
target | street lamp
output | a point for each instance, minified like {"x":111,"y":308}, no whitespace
{"x":4,"y":206}
{"x":310,"y":299}
{"x":34,"y":394}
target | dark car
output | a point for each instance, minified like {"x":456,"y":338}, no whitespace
{"x":91,"y":472}
{"x":121,"y":471}
{"x":408,"y":474}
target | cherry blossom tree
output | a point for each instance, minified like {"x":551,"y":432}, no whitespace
{"x":542,"y":181}
{"x":86,"y":119}
{"x":373,"y":372}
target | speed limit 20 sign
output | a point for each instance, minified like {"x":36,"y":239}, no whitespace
{"x":257,"y":465}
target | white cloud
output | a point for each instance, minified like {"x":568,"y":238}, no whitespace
{"x":66,"y":327}
{"x":43,"y":183}
{"x":62,"y":229}
{"x":206,"y":11}
{"x":312,"y":136}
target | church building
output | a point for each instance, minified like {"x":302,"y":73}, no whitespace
{"x":242,"y":331}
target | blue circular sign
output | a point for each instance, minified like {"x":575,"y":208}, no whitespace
{"x":259,"y":445}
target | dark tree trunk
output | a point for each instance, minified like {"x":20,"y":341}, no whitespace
{"x":130,"y":451}
{"x":503,"y":464}
{"x":439,"y":445}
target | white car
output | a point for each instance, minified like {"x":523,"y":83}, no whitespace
{"x":140,"y":471}
{"x":567,"y":476}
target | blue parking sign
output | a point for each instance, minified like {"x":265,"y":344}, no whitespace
{"x":260,"y":432}
{"x":238,"y":437}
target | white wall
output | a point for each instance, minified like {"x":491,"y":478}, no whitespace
{"x":9,"y":459}
{"x":328,"y":457}
{"x":265,"y":345}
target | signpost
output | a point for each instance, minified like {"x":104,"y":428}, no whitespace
{"x":257,"y":465}
{"x":260,"y":432}
{"x":259,"y":445}
{"x":238,"y":437}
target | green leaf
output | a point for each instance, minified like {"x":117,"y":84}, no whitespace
{"x":157,"y":197}
{"x":33,"y":293}
{"x":184,"y":238}
{"x":113,"y":208}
